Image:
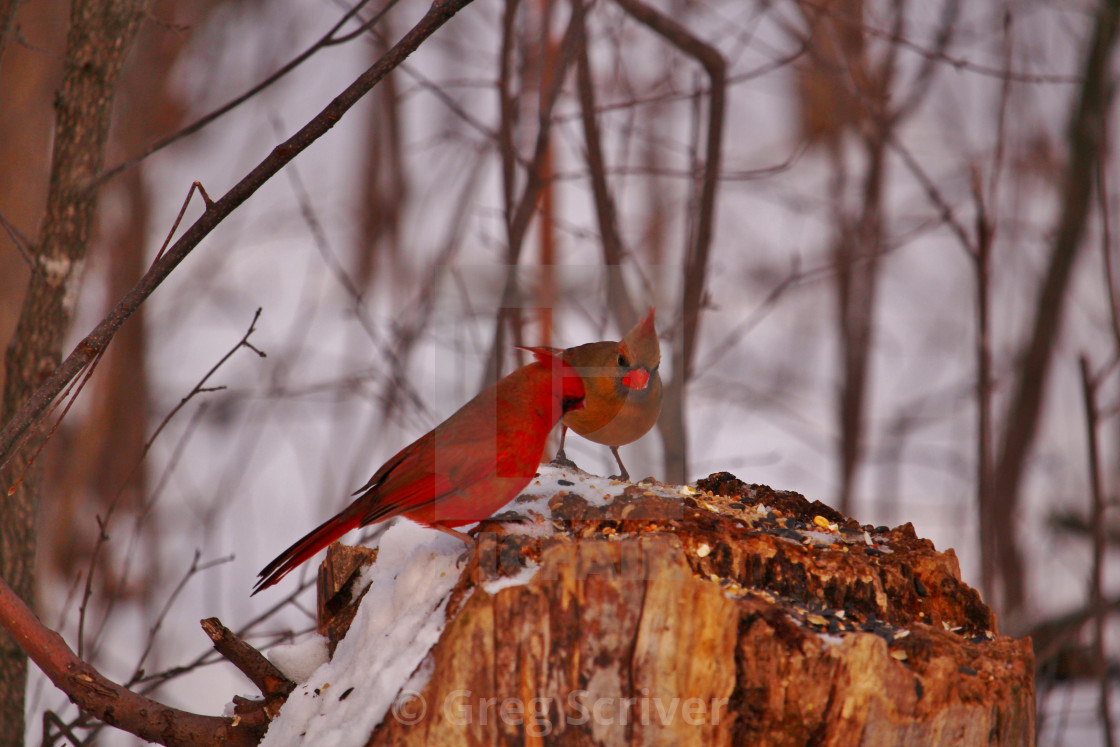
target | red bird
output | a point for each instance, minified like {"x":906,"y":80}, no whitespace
{"x":463,"y":470}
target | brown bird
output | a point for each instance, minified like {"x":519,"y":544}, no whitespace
{"x":463,"y":470}
{"x":623,"y":390}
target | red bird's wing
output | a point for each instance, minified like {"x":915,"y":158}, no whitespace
{"x":463,"y":471}
{"x":435,"y":468}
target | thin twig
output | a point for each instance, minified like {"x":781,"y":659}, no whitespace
{"x":327,"y":40}
{"x":154,"y":680}
{"x":260,"y":671}
{"x":440,"y":12}
{"x":1097,"y":524}
{"x":21,"y":242}
{"x":207,"y":202}
{"x":69,"y":396}
{"x":618,"y":298}
{"x":103,"y":536}
{"x":518,"y":221}
{"x":201,"y":387}
{"x":194,"y":569}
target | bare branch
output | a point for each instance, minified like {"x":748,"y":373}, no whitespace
{"x":519,"y":220}
{"x":618,"y":299}
{"x":108,"y":701}
{"x":327,"y":40}
{"x":260,"y":671}
{"x":507,"y":114}
{"x":1087,"y":138}
{"x":1096,"y":577}
{"x":440,"y":12}
{"x":672,"y":422}
{"x":696,"y":256}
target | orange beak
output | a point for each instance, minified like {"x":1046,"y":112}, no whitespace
{"x":637,"y":379}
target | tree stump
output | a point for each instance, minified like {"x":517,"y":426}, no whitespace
{"x":734,"y":614}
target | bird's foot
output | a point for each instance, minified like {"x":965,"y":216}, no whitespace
{"x":623,"y":475}
{"x":467,"y":557}
{"x":482,"y":559}
{"x":560,"y":460}
{"x":467,"y":540}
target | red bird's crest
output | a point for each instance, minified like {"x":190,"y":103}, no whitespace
{"x":570,"y":379}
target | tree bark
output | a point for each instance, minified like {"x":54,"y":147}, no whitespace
{"x":8,"y":10}
{"x":100,"y":36}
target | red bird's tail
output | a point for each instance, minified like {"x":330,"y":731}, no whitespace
{"x":302,"y":550}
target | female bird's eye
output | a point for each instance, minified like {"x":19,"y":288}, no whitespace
{"x":622,"y":361}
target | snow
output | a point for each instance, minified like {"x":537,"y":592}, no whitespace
{"x":831,"y":639}
{"x":819,"y":537}
{"x":547,"y":484}
{"x":299,"y":660}
{"x":400,"y":619}
{"x":383,"y":661}
{"x":521,"y":578}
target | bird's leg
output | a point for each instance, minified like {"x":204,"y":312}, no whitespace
{"x":481,"y":552}
{"x":624,"y":475}
{"x":561,"y":459}
{"x":466,"y":538}
{"x":470,"y":541}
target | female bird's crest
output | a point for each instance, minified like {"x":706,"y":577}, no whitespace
{"x":641,"y":352}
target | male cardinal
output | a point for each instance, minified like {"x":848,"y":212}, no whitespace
{"x":462,"y":471}
{"x":623,"y":389}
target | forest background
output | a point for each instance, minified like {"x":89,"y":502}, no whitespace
{"x":880,"y":237}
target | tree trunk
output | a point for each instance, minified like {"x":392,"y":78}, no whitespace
{"x":100,"y":36}
{"x":739,"y":615}
{"x":1087,"y":143}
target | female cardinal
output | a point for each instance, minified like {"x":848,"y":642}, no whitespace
{"x":462,"y":471}
{"x":623,"y":389}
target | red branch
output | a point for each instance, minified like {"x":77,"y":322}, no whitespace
{"x":107,"y":700}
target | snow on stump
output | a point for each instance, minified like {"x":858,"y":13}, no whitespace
{"x":723,"y":613}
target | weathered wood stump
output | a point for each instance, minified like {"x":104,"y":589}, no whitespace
{"x":734,"y":615}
